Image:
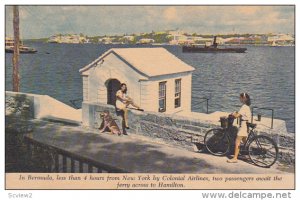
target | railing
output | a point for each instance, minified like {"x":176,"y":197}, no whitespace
{"x":77,"y":163}
{"x":207,"y":103}
{"x":74,"y":102}
{"x":262,"y":108}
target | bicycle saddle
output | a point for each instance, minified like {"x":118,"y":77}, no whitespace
{"x":251,"y":125}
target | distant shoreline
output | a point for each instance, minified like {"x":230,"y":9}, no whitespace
{"x":155,"y":44}
{"x":174,"y":38}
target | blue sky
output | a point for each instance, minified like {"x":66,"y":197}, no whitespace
{"x":44,"y":21}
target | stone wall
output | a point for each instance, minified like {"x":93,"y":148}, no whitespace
{"x":39,"y":107}
{"x":184,"y":132}
{"x":178,"y":131}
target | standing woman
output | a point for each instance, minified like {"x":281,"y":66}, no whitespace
{"x":245,"y":116}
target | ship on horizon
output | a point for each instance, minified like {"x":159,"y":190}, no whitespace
{"x":9,"y":47}
{"x":211,"y":48}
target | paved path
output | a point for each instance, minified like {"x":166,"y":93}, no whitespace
{"x":134,"y":153}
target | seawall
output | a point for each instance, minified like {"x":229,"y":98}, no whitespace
{"x":185,"y":131}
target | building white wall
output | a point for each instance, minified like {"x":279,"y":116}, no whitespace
{"x":186,"y":88}
{"x":143,"y":90}
{"x":85,"y":88}
{"x":147,"y":97}
{"x":112,"y":68}
{"x":150,"y":93}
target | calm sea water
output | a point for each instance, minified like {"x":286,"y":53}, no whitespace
{"x":266,"y":73}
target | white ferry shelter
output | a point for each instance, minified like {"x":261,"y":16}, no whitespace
{"x":156,"y":79}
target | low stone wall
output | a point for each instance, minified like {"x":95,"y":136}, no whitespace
{"x":39,"y":106}
{"x":184,"y":132}
{"x":179,"y":131}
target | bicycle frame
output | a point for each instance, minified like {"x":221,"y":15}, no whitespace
{"x":232,"y":140}
{"x":262,"y":150}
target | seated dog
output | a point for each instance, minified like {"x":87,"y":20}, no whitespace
{"x":108,"y":123}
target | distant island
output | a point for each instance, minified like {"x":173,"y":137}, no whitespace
{"x":174,"y":37}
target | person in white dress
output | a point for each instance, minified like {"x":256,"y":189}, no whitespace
{"x":123,"y":101}
{"x":244,"y":115}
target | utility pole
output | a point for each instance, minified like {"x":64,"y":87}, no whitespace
{"x":15,"y":59}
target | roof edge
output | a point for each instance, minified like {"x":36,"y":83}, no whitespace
{"x":163,"y":75}
{"x":112,"y":50}
{"x":88,"y":66}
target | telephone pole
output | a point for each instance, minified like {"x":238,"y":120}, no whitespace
{"x":15,"y":59}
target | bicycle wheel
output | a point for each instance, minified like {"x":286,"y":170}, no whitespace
{"x":217,"y":142}
{"x":263,"y":151}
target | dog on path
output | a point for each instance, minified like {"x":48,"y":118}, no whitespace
{"x":109,"y":123}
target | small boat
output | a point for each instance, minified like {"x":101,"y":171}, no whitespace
{"x":211,"y":49}
{"x":9,"y":47}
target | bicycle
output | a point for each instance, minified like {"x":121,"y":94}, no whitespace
{"x":262,"y":150}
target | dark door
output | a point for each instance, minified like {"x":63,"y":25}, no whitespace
{"x":113,"y":86}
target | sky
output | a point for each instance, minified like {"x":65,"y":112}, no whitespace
{"x":44,"y":21}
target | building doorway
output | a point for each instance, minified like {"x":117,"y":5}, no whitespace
{"x":113,"y":85}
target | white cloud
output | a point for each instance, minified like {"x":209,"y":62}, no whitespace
{"x":171,"y":14}
{"x":97,"y":20}
{"x":248,"y":10}
{"x":74,"y":8}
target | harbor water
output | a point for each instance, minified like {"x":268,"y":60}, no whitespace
{"x":266,"y":73}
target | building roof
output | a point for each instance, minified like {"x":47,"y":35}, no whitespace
{"x":148,"y":61}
